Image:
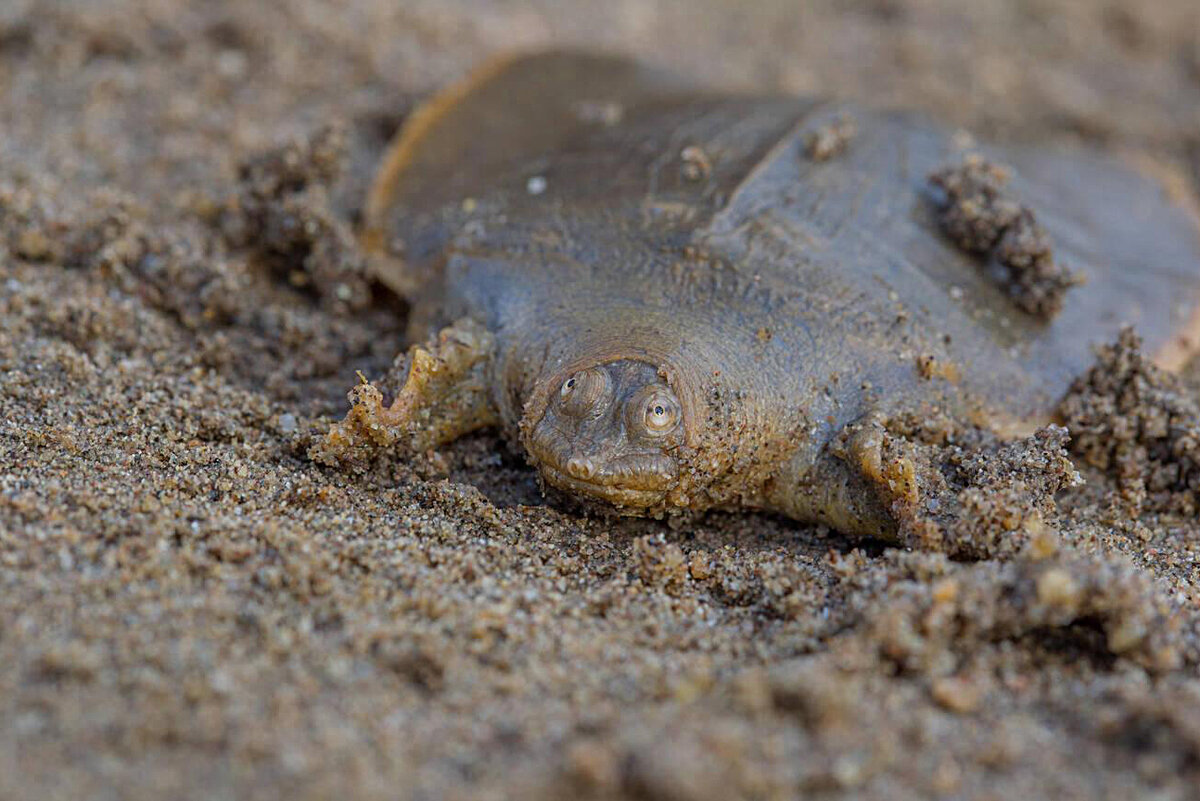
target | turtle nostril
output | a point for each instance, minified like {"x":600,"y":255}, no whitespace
{"x":580,"y":467}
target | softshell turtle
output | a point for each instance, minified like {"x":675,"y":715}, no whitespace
{"x":653,"y":290}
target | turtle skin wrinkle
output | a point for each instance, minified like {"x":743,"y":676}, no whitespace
{"x":649,"y":287}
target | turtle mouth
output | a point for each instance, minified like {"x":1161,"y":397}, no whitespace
{"x":631,"y":480}
{"x":635,"y":490}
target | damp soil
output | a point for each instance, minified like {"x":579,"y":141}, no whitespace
{"x":191,"y":607}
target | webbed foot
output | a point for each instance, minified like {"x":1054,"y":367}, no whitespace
{"x":445,"y":395}
{"x":860,"y":483}
{"x":883,"y":487}
{"x":981,"y":497}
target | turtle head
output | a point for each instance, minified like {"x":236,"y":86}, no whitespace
{"x":610,"y":432}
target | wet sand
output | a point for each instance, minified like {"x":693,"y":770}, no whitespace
{"x":191,"y":607}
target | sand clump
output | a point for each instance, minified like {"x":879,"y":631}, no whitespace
{"x":950,"y":614}
{"x":979,"y":214}
{"x":282,"y":212}
{"x":831,"y":140}
{"x":959,"y":490}
{"x":1140,"y":425}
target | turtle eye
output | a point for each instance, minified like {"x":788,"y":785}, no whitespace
{"x":582,"y":391}
{"x":656,"y":412}
{"x":660,"y":416}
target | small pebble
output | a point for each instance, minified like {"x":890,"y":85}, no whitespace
{"x":956,"y":694}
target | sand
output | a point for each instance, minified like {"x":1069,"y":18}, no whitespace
{"x":192,"y":608}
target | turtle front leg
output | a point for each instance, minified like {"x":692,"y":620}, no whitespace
{"x":861,"y":483}
{"x":444,"y":396}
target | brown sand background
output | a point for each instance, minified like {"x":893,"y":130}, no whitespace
{"x":190,"y":608}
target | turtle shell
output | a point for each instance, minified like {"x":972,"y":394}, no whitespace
{"x":586,"y":207}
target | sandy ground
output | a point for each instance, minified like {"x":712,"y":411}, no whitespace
{"x":189,"y":607}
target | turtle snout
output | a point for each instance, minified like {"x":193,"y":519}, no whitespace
{"x":581,"y":467}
